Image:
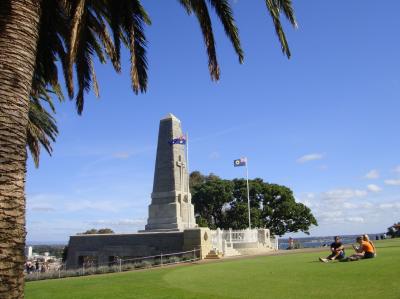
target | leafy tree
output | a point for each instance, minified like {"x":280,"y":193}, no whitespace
{"x":64,"y":254}
{"x":237,"y":217}
{"x":210,"y":198}
{"x":223,"y":203}
{"x":282,"y":214}
{"x":34,"y":34}
{"x":196,"y":179}
{"x":394,"y":230}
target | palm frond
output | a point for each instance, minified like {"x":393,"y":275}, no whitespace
{"x":199,"y":8}
{"x":225,"y":14}
{"x":89,"y":39}
{"x":100,"y":28}
{"x":186,"y":5}
{"x":50,"y":46}
{"x":127,"y":19}
{"x":41,"y":129}
{"x":274,"y":7}
{"x":114,"y":18}
{"x":77,"y":13}
{"x":83,"y":63}
{"x":94,"y":80}
{"x":287,"y":7}
{"x":137,"y":48}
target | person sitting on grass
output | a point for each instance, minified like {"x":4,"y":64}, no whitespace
{"x":364,"y":251}
{"x":337,"y":250}
{"x":367,"y":239}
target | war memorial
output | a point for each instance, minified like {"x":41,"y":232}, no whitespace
{"x":171,"y":225}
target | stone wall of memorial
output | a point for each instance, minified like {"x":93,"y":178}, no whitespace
{"x":102,"y":248}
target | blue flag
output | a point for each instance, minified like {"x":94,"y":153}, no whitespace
{"x":179,"y":140}
{"x":240,"y":162}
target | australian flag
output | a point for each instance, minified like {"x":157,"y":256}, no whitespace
{"x":179,"y":140}
{"x":240,"y":162}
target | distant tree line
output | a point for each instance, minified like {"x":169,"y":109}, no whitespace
{"x":223,"y":203}
{"x":94,"y":231}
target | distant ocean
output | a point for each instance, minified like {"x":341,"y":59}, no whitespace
{"x":313,"y":242}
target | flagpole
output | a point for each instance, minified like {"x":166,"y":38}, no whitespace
{"x":248,"y":193}
{"x":188,"y":178}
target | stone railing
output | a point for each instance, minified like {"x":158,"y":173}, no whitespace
{"x":240,"y":236}
{"x":227,"y":241}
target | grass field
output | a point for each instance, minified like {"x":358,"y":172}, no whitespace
{"x":297,"y":275}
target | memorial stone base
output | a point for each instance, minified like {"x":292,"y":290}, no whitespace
{"x":105,"y":248}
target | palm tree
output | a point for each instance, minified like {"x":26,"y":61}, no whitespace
{"x":34,"y":34}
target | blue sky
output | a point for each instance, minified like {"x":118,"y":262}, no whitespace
{"x":324,"y":123}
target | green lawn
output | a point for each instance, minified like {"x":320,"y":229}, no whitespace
{"x":285,"y":276}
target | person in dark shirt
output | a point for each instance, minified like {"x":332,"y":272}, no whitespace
{"x":337,"y":251}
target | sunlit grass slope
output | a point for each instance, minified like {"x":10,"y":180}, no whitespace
{"x":297,"y":276}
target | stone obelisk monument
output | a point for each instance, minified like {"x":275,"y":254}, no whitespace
{"x":171,"y":207}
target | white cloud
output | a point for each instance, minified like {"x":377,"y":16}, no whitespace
{"x":331,"y":220}
{"x":374,"y":188}
{"x":393,"y":182}
{"x":310,"y":157}
{"x":44,"y":208}
{"x":42,"y":202}
{"x":331,"y":214}
{"x":389,"y":205}
{"x":355,"y":219}
{"x":120,"y":222}
{"x":359,"y":206}
{"x":372,"y":174}
{"x":366,"y":205}
{"x":121,"y":155}
{"x":310,"y":195}
{"x":348,"y":205}
{"x":340,"y":195}
{"x":351,"y":210}
{"x":397,"y":169}
{"x":101,"y":205}
{"x":308,"y":200}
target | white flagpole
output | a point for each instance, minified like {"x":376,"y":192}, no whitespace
{"x":248,"y":192}
{"x":188,"y":178}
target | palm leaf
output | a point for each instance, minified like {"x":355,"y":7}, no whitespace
{"x":100,"y":28}
{"x":274,"y":7}
{"x":127,"y":19}
{"x":225,"y":14}
{"x":41,"y":129}
{"x":77,"y":13}
{"x":137,"y":42}
{"x":199,"y":8}
{"x":287,"y":7}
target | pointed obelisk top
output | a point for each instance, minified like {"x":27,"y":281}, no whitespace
{"x":171,"y":116}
